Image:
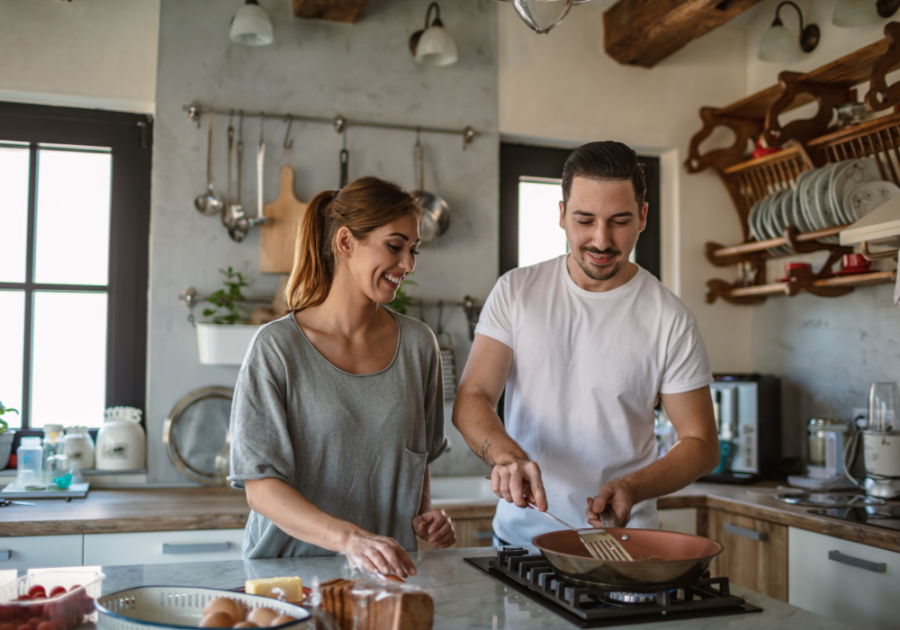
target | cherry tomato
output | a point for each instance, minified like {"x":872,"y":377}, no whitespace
{"x":7,"y":626}
{"x":37,"y":591}
{"x":22,"y":598}
{"x":75,"y":588}
{"x":57,"y":590}
{"x":46,"y":625}
{"x":25,"y":626}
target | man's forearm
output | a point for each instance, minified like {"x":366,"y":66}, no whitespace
{"x":476,"y":419}
{"x":687,"y":461}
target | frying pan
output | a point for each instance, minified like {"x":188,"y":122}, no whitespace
{"x":671,"y":559}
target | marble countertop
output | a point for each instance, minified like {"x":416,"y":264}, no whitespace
{"x":464,"y":597}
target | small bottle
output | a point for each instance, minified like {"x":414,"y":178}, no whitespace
{"x":53,"y":443}
{"x":30,"y":466}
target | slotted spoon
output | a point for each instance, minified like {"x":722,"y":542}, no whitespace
{"x":600,"y":543}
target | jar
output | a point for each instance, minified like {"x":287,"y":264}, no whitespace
{"x":823,"y":447}
{"x":79,"y":448}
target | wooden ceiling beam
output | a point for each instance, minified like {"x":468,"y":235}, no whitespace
{"x":331,"y":10}
{"x":644,"y":32}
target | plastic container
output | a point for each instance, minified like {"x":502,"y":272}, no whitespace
{"x":224,"y":345}
{"x":30,"y":462}
{"x":152,"y":607}
{"x":64,"y":611}
{"x":53,"y":443}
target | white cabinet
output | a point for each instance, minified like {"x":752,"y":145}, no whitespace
{"x":163,"y":547}
{"x":682,"y":520}
{"x":853,"y":583}
{"x":33,"y":552}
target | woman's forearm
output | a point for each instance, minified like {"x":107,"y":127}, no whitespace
{"x":295,"y":515}
{"x":425,"y":502}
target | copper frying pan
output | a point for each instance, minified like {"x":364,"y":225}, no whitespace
{"x":662,"y":558}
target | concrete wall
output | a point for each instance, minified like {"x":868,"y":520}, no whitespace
{"x":89,"y":53}
{"x":827,"y":350}
{"x":363,"y":71}
{"x":562,"y":88}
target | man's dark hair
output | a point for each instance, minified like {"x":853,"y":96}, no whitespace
{"x":606,"y":160}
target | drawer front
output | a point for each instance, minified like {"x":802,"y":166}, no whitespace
{"x":682,"y":520}
{"x":853,"y":583}
{"x":32,"y":552}
{"x":163,"y":547}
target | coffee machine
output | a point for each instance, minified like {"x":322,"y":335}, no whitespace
{"x":748,"y":418}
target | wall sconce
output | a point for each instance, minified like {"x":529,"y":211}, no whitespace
{"x":251,"y":26}
{"x":856,"y":13}
{"x":779,"y":44}
{"x":433,"y":46}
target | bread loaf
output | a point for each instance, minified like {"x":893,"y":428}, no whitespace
{"x":376,"y":608}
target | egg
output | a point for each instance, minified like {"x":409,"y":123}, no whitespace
{"x":262,"y":616}
{"x":217,"y":620}
{"x":227,"y":606}
{"x":281,"y":620}
{"x":246,"y":624}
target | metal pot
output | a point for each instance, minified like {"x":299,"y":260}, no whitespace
{"x":435,"y":218}
{"x":669,"y":559}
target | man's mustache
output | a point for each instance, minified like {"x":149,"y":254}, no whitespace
{"x":601,"y":252}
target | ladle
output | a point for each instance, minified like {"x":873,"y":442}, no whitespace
{"x":209,"y":202}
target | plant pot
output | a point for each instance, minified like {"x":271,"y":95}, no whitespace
{"x":6,"y":442}
{"x":222,"y":344}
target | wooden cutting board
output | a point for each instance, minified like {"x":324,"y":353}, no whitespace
{"x":278,"y":236}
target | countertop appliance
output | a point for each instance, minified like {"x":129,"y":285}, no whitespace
{"x":748,"y":416}
{"x":881,"y":456}
{"x":592,"y":607}
{"x":887,"y":516}
{"x":121,"y":443}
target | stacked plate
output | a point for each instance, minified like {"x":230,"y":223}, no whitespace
{"x":836,"y":194}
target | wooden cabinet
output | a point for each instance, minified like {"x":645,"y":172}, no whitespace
{"x":472,"y":524}
{"x":853,"y":583}
{"x":755,"y":553}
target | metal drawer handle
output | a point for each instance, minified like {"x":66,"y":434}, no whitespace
{"x":484,"y":534}
{"x":5,"y":554}
{"x":746,"y":533}
{"x":859,"y":563}
{"x":195,"y":548}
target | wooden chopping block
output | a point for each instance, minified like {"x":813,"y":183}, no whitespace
{"x":278,"y":236}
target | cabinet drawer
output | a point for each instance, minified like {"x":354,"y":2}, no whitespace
{"x":682,"y":520}
{"x":31,"y":552}
{"x":847,"y":581}
{"x":163,"y":547}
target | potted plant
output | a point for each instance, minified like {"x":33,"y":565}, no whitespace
{"x":6,"y":436}
{"x":225,"y":339}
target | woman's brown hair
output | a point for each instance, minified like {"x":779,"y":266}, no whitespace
{"x":361,"y":206}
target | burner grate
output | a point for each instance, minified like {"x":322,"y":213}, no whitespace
{"x":533,"y":575}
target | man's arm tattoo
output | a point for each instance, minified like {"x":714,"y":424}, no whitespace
{"x":485,"y":454}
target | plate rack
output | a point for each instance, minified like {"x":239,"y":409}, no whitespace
{"x":804,"y":144}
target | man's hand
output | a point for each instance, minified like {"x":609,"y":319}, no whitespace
{"x":435,"y":527}
{"x":618,"y":495}
{"x":520,"y":483}
{"x":378,"y":554}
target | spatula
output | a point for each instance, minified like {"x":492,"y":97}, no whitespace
{"x":600,"y":543}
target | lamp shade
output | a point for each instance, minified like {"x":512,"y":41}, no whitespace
{"x":251,"y":26}
{"x":778,"y":44}
{"x":436,"y":47}
{"x":854,"y":13}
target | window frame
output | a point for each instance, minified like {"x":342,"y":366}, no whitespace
{"x":129,"y":137}
{"x":522,"y":160}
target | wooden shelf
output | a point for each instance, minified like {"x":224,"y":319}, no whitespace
{"x":755,"y":251}
{"x":799,"y":282}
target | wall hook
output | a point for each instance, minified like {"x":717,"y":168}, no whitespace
{"x":339,"y":124}
{"x":288,"y":143}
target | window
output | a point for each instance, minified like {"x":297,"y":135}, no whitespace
{"x":530,"y":192}
{"x":74,"y":206}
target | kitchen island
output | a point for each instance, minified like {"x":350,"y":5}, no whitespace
{"x":464,"y":597}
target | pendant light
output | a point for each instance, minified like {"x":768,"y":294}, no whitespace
{"x":433,"y":45}
{"x":542,"y":15}
{"x":251,"y":26}
{"x":779,"y":44}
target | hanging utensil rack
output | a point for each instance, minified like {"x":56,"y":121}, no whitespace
{"x":195,"y":111}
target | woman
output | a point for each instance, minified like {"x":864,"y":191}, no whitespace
{"x":338,"y":409}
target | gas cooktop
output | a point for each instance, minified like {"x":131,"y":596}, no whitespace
{"x":586,"y":607}
{"x":887,"y":516}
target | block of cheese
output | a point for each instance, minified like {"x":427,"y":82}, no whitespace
{"x":290,"y":589}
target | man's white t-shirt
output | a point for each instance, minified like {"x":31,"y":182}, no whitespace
{"x":587,"y":370}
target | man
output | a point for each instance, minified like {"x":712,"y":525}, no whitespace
{"x":585,"y":345}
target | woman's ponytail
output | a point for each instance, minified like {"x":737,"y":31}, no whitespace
{"x":313,"y":269}
{"x":361,"y":206}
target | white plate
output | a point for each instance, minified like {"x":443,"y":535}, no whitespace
{"x":769,"y":225}
{"x":823,"y":197}
{"x":849,"y":176}
{"x":869,"y":196}
{"x":761,"y":219}
{"x":800,"y":219}
{"x":808,"y":198}
{"x":751,"y":221}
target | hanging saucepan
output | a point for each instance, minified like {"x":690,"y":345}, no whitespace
{"x":663,"y":559}
{"x":435,"y":217}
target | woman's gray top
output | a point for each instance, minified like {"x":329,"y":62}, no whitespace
{"x":355,"y":445}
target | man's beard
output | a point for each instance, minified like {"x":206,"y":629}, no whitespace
{"x":605,"y":274}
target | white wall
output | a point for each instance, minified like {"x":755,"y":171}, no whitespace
{"x":562,"y":87}
{"x":86,"y":53}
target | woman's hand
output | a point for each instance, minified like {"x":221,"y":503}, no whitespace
{"x":435,"y":527}
{"x":378,"y":554}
